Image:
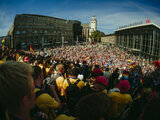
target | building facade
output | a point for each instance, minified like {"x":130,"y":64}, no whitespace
{"x":85,"y":32}
{"x":109,"y":39}
{"x":42,"y":31}
{"x":143,"y":39}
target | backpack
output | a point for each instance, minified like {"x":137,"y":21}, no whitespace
{"x":72,"y":94}
{"x":72,"y":90}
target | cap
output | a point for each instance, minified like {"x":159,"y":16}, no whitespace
{"x":101,"y":80}
{"x":26,"y":59}
{"x":124,"y":86}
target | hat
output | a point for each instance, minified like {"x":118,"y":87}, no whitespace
{"x":124,"y":86}
{"x":101,"y":80}
{"x":157,"y":64}
{"x":26,"y":59}
{"x":97,"y":72}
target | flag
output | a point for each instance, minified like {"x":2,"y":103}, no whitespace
{"x":148,"y":21}
{"x":67,"y":50}
{"x":17,"y":56}
{"x":122,"y":56}
{"x":132,"y":65}
{"x":129,"y":60}
{"x":3,"y":40}
{"x":87,"y":58}
{"x":31,"y":49}
{"x":125,"y":74}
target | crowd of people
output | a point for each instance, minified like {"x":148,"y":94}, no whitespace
{"x":91,"y":82}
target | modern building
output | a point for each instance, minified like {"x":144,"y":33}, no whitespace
{"x":141,"y":39}
{"x":43,"y":31}
{"x":77,"y":30}
{"x":109,"y":39}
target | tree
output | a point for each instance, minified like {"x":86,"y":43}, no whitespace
{"x":96,"y":36}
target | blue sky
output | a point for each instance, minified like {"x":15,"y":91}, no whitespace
{"x":110,"y":14}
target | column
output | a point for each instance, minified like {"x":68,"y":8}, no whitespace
{"x":123,"y":41}
{"x":128,"y":41}
{"x":133,"y":41}
{"x":141,"y":42}
{"x":154,"y":39}
{"x":62,"y":41}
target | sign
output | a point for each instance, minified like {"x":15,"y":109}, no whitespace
{"x":133,"y":24}
{"x":148,"y":21}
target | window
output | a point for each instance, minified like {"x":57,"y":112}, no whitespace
{"x":17,"y":32}
{"x":24,"y":32}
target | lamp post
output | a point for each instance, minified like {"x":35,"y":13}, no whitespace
{"x":77,"y":40}
{"x":62,"y":41}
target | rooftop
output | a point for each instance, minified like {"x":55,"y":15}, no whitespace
{"x":141,"y":25}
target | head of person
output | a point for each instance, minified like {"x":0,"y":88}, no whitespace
{"x":124,"y":86}
{"x":74,"y":71}
{"x":157,"y":64}
{"x":100,"y":83}
{"x":60,"y":68}
{"x":97,"y":72}
{"x":151,"y":111}
{"x":37,"y":74}
{"x":84,"y":62}
{"x":107,"y":69}
{"x":94,"y":106}
{"x":96,"y":66}
{"x":16,"y":86}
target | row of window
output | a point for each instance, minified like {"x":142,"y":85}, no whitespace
{"x":35,"y":19}
{"x":42,"y":31}
{"x":43,"y":27}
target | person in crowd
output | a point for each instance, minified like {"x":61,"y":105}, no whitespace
{"x":16,"y":91}
{"x":100,"y":84}
{"x":73,"y":73}
{"x":152,"y":110}
{"x":44,"y":101}
{"x":94,"y":106}
{"x":115,"y":89}
{"x":115,"y":75}
{"x":72,"y":89}
{"x":107,"y":74}
{"x":120,"y":99}
{"x":58,"y":78}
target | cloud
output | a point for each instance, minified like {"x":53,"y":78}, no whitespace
{"x":113,"y":15}
{"x":110,"y":15}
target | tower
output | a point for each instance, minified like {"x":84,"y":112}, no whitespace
{"x":93,"y":26}
{"x":93,"y":23}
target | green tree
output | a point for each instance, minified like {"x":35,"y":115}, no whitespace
{"x":96,"y":36}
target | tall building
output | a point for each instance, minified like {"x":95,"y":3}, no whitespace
{"x":42,"y":31}
{"x":142,"y":39}
{"x":89,"y":28}
{"x":93,"y":25}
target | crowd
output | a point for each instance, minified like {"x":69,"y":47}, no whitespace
{"x":92,"y":82}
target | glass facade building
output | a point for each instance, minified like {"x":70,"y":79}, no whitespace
{"x":143,"y":40}
{"x":42,"y":31}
